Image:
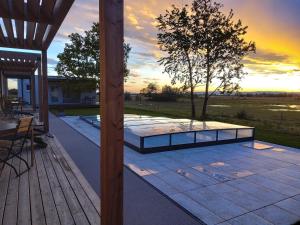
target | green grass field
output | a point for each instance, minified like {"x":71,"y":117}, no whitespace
{"x":277,"y":120}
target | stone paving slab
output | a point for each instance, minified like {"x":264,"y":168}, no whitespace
{"x":225,"y":184}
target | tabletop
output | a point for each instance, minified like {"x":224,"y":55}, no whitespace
{"x":7,"y":126}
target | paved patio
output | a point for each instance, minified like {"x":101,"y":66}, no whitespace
{"x":226,"y":184}
{"x":143,"y":204}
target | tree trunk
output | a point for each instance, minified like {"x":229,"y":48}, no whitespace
{"x":191,"y":85}
{"x":206,"y":96}
{"x":193,"y":103}
{"x":204,"y":107}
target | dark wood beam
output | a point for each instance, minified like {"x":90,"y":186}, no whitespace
{"x":30,"y":33}
{"x":111,"y":110}
{"x":4,"y":9}
{"x":45,"y":90}
{"x":33,"y":10}
{"x":60,"y":11}
{"x":19,"y":55}
{"x":30,"y":12}
{"x":47,"y":8}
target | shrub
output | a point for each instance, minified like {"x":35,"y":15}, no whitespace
{"x":127,"y":96}
{"x":243,"y":115}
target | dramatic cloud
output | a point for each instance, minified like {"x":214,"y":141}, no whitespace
{"x":273,"y":24}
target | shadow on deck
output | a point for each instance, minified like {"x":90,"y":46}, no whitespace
{"x":53,"y":192}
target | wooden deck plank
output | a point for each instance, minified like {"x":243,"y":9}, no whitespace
{"x":90,"y":211}
{"x":4,"y":183}
{"x":24,"y":215}
{"x":59,"y":198}
{"x":93,"y":196}
{"x":10,"y":212}
{"x":74,"y":205}
{"x":37,"y":208}
{"x":51,"y":213}
{"x":49,"y":194}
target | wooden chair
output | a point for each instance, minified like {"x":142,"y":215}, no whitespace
{"x":11,"y":147}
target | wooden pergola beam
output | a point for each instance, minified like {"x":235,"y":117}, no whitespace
{"x":111,"y":110}
{"x":42,"y":20}
{"x":18,"y":62}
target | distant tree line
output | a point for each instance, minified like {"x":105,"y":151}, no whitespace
{"x":167,"y":93}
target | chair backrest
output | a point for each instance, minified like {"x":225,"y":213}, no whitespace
{"x":24,"y":125}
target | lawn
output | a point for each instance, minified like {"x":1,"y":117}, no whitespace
{"x":277,"y":120}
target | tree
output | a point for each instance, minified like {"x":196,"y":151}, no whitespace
{"x":219,"y":42}
{"x":152,"y":88}
{"x":80,"y":58}
{"x":176,"y":40}
{"x":203,"y":45}
{"x":168,"y":94}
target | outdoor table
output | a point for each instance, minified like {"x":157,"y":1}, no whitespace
{"x":8,"y":127}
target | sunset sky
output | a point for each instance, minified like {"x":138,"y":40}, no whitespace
{"x":273,"y":24}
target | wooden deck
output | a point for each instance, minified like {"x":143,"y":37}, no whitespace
{"x":53,"y":192}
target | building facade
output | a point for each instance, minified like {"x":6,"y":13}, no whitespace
{"x":57,"y":94}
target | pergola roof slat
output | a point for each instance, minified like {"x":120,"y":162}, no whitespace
{"x":18,"y":9}
{"x":40,"y":32}
{"x":20,"y":31}
{"x":18,"y":61}
{"x":30,"y":33}
{"x":33,"y":9}
{"x":42,"y":22}
{"x":2,"y":38}
{"x":47,"y":8}
{"x":9,"y":30}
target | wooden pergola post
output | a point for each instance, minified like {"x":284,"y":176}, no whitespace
{"x":40,"y":81}
{"x":111,"y":110}
{"x":32,"y":92}
{"x":1,"y":83}
{"x":45,"y":90}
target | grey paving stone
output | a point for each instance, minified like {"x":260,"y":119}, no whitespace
{"x":221,"y":176}
{"x":260,"y":192}
{"x":215,"y":203}
{"x":161,"y":185}
{"x":291,"y":172}
{"x":277,"y":176}
{"x":197,"y":177}
{"x":244,"y":200}
{"x":274,"y":185}
{"x":221,"y":188}
{"x":248,"y":219}
{"x":197,"y":209}
{"x":181,"y":183}
{"x":290,"y":205}
{"x":150,"y":165}
{"x":276,"y":215}
{"x":297,"y":198}
{"x":170,"y":163}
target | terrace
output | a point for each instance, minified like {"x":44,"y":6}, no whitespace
{"x":228,"y":184}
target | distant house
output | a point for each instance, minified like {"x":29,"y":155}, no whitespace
{"x":57,"y":94}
